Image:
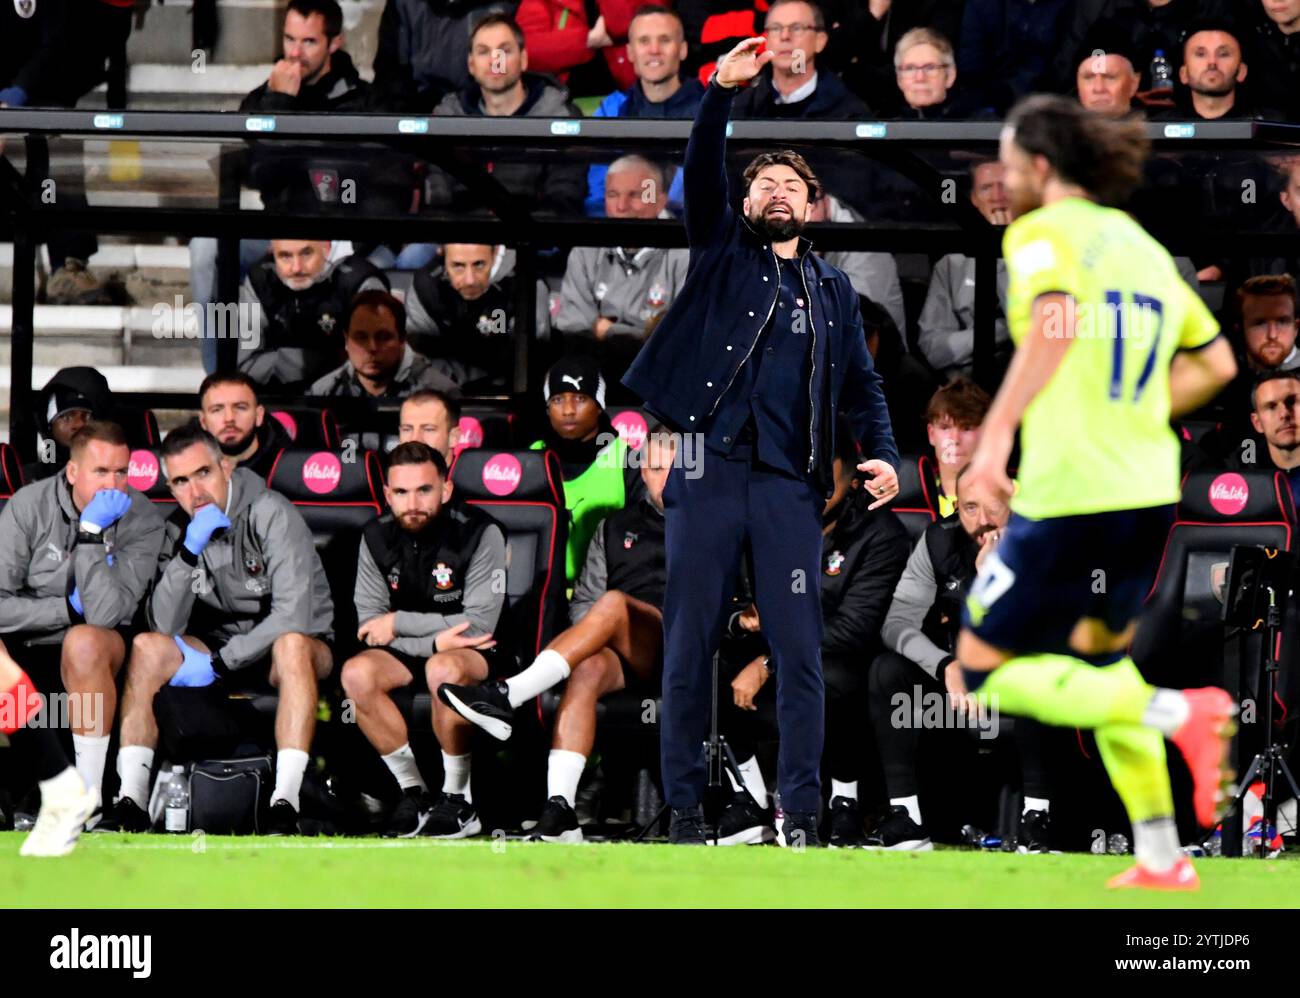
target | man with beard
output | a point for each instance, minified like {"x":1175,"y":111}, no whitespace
{"x":1212,"y":77}
{"x":293,"y":311}
{"x":1276,"y":411}
{"x":761,"y":348}
{"x":230,"y":411}
{"x":430,"y":609}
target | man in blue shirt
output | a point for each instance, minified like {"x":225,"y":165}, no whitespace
{"x":758,"y":352}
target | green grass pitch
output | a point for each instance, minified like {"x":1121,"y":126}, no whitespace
{"x":166,"y":871}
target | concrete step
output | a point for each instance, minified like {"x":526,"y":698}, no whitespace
{"x":107,"y":335}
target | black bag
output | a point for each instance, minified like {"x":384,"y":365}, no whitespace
{"x":229,"y":796}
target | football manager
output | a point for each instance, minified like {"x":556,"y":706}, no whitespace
{"x":760,"y":349}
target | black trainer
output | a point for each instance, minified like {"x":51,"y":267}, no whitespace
{"x":452,"y":817}
{"x":1035,"y":832}
{"x":799,"y":830}
{"x":410,"y":814}
{"x":744,"y":823}
{"x":897,"y":832}
{"x":485,"y":704}
{"x":558,"y":823}
{"x":125,"y":816}
{"x":846,"y":824}
{"x":282,"y":819}
{"x":686,"y":826}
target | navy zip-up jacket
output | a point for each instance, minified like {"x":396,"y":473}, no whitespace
{"x":696,"y":351}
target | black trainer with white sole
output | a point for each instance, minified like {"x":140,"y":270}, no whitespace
{"x":846,"y":824}
{"x":410,"y":814}
{"x":1035,"y":834}
{"x":452,"y":817}
{"x":124,"y":816}
{"x":897,"y":832}
{"x":744,"y":823}
{"x":798,"y":830}
{"x":558,"y":823}
{"x":282,"y":819}
{"x":483,"y":704}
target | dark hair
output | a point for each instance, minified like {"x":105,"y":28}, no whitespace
{"x":960,"y":400}
{"x":378,"y":298}
{"x":227,"y":378}
{"x":497,"y":17}
{"x":1274,"y":375}
{"x":646,"y":9}
{"x":414,"y":452}
{"x":785,"y":157}
{"x":1266,"y":286}
{"x":1226,"y":25}
{"x":819,"y":19}
{"x":97,"y":429}
{"x":1104,"y":156}
{"x":184,"y":437}
{"x":329,"y":10}
{"x":449,"y":402}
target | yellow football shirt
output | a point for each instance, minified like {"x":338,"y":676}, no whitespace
{"x":1097,"y":438}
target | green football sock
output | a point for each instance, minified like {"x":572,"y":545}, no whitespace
{"x":1135,"y":761}
{"x":1068,"y":692}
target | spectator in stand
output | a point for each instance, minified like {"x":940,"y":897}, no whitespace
{"x":874,"y":275}
{"x":563,"y":41}
{"x":864,"y":46}
{"x":421,"y":56}
{"x":1105,"y":78}
{"x":293,"y":307}
{"x":1148,"y":25}
{"x":953,"y":418}
{"x":1272,"y":48}
{"x":1006,"y":47}
{"x":611,"y":292}
{"x":70,"y":399}
{"x":715,"y":27}
{"x":792,"y":86}
{"x":315,"y":75}
{"x":463,"y":312}
{"x":381,"y":363}
{"x":927,"y":73}
{"x":502,"y":87}
{"x":230,"y":411}
{"x":1267,"y":325}
{"x":947,"y":324}
{"x":656,"y":46}
{"x":1212,"y":77}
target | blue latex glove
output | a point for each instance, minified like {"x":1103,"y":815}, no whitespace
{"x":196,"y":667}
{"x":75,"y":600}
{"x":13,"y":96}
{"x":105,"y":509}
{"x":207,"y":521}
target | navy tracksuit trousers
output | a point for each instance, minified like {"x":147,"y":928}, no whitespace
{"x":707,"y":520}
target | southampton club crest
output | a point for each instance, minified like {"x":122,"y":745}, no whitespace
{"x":442,"y":576}
{"x":834,"y":563}
{"x":629,"y":539}
{"x":25,"y":8}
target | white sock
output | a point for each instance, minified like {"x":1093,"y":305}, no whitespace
{"x":548,"y":668}
{"x":1155,"y":844}
{"x":401,"y":763}
{"x":753,"y":777}
{"x":66,"y":784}
{"x":134,"y":765}
{"x":92,"y":755}
{"x":913,"y":805}
{"x":290,"y":764}
{"x":1166,"y":712}
{"x":563,"y":771}
{"x":1036,"y":804}
{"x":455,"y":775}
{"x":844,"y":788}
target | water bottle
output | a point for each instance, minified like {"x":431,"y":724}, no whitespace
{"x":1162,"y":74}
{"x":177,"y":797}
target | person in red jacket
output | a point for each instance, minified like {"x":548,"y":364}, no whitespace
{"x":561,"y":37}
